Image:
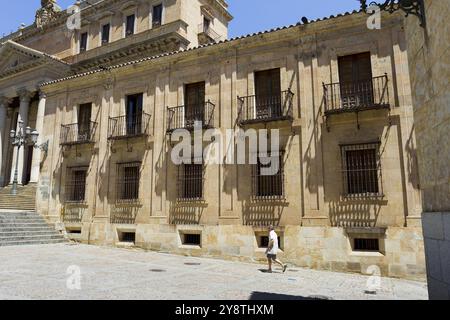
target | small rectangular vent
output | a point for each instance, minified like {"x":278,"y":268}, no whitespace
{"x":361,"y":244}
{"x":128,"y":237}
{"x":192,"y":239}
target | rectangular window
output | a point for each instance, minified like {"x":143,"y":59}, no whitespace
{"x":190,"y":182}
{"x":105,"y":33}
{"x":134,"y":111}
{"x":268,"y":177}
{"x":129,"y":30}
{"x":268,"y":94}
{"x":128,"y":177}
{"x":84,"y":122}
{"x":194,"y":103}
{"x":361,"y":170}
{"x":83,"y":41}
{"x":76,"y":184}
{"x":206,"y":24}
{"x":157,"y":15}
{"x":355,"y":78}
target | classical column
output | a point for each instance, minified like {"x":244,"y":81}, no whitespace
{"x":4,"y":136}
{"x":36,"y":163}
{"x":25,"y":97}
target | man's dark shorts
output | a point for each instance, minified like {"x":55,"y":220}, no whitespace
{"x":272,"y":257}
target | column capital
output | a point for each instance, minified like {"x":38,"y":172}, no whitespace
{"x":25,"y":95}
{"x":5,"y":101}
{"x":42,"y":95}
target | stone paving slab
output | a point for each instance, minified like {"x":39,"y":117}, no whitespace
{"x":40,"y":272}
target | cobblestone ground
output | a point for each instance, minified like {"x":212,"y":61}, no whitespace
{"x":42,"y":272}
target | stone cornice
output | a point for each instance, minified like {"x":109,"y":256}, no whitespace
{"x":299,"y":33}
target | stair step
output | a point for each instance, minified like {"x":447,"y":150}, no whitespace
{"x":31,"y":242}
{"x":31,"y":237}
{"x":25,"y":229}
{"x":5,"y":234}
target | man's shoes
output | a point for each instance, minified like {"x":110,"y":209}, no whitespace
{"x":284,"y":268}
{"x":269,"y":271}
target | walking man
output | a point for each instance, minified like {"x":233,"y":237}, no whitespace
{"x":272,"y":250}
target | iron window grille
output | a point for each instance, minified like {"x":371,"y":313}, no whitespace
{"x":191,"y":182}
{"x":76,"y":184}
{"x":128,"y":179}
{"x":368,"y":245}
{"x":268,"y":187}
{"x":361,"y":170}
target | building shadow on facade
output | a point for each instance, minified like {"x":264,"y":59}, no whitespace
{"x":186,"y":213}
{"x":255,"y":213}
{"x":124,"y":213}
{"x":355,"y":213}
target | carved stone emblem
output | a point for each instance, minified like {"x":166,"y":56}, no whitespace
{"x":48,"y":12}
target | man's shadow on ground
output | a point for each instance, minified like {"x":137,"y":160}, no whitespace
{"x":275,"y":296}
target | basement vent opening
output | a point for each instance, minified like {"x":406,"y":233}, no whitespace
{"x":127,"y":237}
{"x":368,"y":245}
{"x":74,"y":231}
{"x":192,"y":239}
{"x":263,"y":242}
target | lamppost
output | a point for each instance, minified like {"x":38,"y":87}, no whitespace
{"x":410,"y":7}
{"x":19,"y":139}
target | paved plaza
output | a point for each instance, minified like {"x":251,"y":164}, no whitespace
{"x":50,"y":272}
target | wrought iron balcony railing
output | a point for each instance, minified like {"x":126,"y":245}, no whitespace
{"x":356,"y":96}
{"x":264,"y":108}
{"x":76,"y":133}
{"x":129,"y":126}
{"x":185,"y":117}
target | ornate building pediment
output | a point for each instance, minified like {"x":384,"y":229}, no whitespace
{"x":16,"y":58}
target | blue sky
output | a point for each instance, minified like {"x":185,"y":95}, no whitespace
{"x":249,"y":15}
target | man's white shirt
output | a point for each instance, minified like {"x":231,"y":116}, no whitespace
{"x":274,"y":237}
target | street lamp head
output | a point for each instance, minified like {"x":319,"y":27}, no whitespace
{"x":34,"y":136}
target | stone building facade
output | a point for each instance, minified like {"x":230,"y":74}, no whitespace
{"x":429,"y":60}
{"x":112,"y":94}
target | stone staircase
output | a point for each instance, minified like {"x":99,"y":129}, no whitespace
{"x":24,"y":200}
{"x":26,"y":228}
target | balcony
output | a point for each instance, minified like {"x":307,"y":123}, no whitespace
{"x":75,"y":133}
{"x":206,"y":34}
{"x":356,"y":96}
{"x":183,"y":117}
{"x":266,"y":108}
{"x":126,"y":127}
